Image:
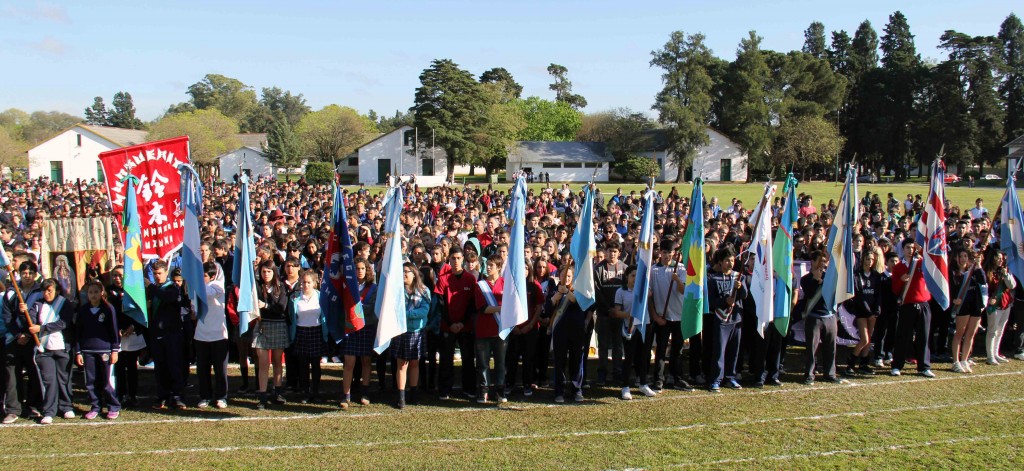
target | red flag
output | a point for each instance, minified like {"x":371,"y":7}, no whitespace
{"x":155,"y":164}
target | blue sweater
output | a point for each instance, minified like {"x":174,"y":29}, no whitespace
{"x":97,"y":332}
{"x":416,"y":310}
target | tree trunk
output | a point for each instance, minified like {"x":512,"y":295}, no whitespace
{"x":450,"y":163}
{"x":472,"y":170}
{"x":679,"y":172}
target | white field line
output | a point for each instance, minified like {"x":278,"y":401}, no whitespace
{"x":339,"y":414}
{"x":853,"y":451}
{"x":170,"y":451}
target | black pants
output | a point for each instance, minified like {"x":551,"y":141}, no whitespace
{"x":723,"y":342}
{"x":1017,"y":318}
{"x":941,"y":321}
{"x":53,"y":372}
{"x":97,"y":382}
{"x":570,"y":342}
{"x":20,"y":361}
{"x":188,"y":351}
{"x":821,"y":340}
{"x":428,"y":366}
{"x":670,"y":352}
{"x":167,"y":359}
{"x":638,"y":356}
{"x":127,"y":373}
{"x":291,"y":369}
{"x":446,"y":377}
{"x":884,"y":336}
{"x":520,"y":348}
{"x":609,"y":338}
{"x":769,"y":366}
{"x":307,"y":374}
{"x":542,"y":355}
{"x":212,"y":355}
{"x":912,"y":330}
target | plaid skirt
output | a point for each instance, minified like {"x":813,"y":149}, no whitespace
{"x":408,"y":346}
{"x":309,"y":342}
{"x":360,"y":342}
{"x":270,"y":335}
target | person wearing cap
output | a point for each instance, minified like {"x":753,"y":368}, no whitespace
{"x":912,"y":327}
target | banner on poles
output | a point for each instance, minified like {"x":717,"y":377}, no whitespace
{"x":155,"y":164}
{"x":75,"y":248}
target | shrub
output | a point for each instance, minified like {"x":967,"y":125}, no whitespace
{"x":319,"y":173}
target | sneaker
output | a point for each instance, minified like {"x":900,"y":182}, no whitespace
{"x":528,"y":391}
{"x":714,"y":387}
{"x":957,"y":368}
{"x":364,"y":401}
{"x":10,"y":419}
{"x":836,"y":380}
{"x":160,"y":405}
{"x":646,"y":390}
{"x":992,"y":361}
{"x":221,"y":404}
{"x":809,"y":381}
{"x":113,"y":415}
{"x":578,"y":397}
{"x":444,"y":397}
{"x":865,"y":370}
{"x":559,"y":399}
{"x":879,"y":363}
{"x":469,"y":395}
{"x":732,"y":384}
{"x":682,"y":386}
{"x":928,"y":374}
{"x":773,"y":382}
{"x":69,"y":414}
{"x":500,"y":399}
{"x":46,"y":420}
{"x":179,"y":404}
{"x":970,"y":362}
{"x":1019,"y":356}
{"x":91,"y":415}
{"x":280,"y":400}
{"x":849,"y":371}
{"x":262,"y":405}
{"x":203,"y":404}
{"x":482,"y":399}
{"x":966,"y":365}
{"x":758,"y":385}
{"x":894,"y":372}
{"x":626,"y":395}
{"x":1002,"y":359}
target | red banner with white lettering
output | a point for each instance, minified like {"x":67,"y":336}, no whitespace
{"x":155,"y":164}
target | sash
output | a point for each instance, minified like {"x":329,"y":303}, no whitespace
{"x":48,"y":314}
{"x":485,"y":288}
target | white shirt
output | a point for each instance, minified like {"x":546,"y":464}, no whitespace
{"x":661,"y":278}
{"x":214,"y":326}
{"x":976,"y":213}
{"x":308,"y":311}
{"x":624,"y":298}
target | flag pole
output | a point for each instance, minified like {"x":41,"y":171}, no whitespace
{"x":17,"y":291}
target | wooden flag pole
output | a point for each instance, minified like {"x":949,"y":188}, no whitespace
{"x":21,"y":300}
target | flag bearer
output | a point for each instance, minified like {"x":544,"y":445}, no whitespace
{"x":727,"y":291}
{"x":914,"y":313}
{"x":51,"y":315}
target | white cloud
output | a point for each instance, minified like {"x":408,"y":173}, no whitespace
{"x":50,"y":45}
{"x":41,"y":11}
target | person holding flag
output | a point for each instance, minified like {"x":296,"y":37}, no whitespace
{"x":456,"y":294}
{"x":665,"y":306}
{"x":358,"y":346}
{"x":820,"y":323}
{"x":694,"y":258}
{"x":489,"y":296}
{"x":912,"y":326}
{"x":568,"y":334}
{"x":638,"y":338}
{"x":727,"y":291}
{"x":409,"y":348}
{"x":19,"y":344}
{"x":1011,"y":242}
{"x":243,"y":275}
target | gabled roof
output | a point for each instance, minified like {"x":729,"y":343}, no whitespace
{"x":119,"y":136}
{"x":402,"y":128}
{"x":1019,"y":141}
{"x":657,"y":139}
{"x":253,"y":140}
{"x":1017,"y":154}
{"x":557,"y":151}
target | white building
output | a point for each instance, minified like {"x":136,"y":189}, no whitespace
{"x":74,"y":153}
{"x":561,"y":161}
{"x":393,"y":153}
{"x":720,"y":161}
{"x":1015,"y":152}
{"x":250,"y":156}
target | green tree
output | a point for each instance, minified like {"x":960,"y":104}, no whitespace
{"x":319,"y":173}
{"x":945,"y":112}
{"x":283,"y":147}
{"x":282,"y":102}
{"x":563,"y":87}
{"x":13,"y":152}
{"x":806,"y":142}
{"x":810,"y":87}
{"x":97,"y":113}
{"x":123,"y":114}
{"x":863,"y":50}
{"x":450,"y":104}
{"x":43,"y":125}
{"x":1011,"y":87}
{"x":684,"y":104}
{"x":510,"y":89}
{"x":230,"y":96}
{"x":334,"y":132}
{"x":746,"y":115}
{"x":210,"y":134}
{"x":547,"y":120}
{"x":903,"y":73}
{"x":624,"y":132}
{"x":839,"y":53}
{"x":497,"y":135}
{"x":637,"y":168}
{"x":814,"y":40}
{"x":386,"y":125}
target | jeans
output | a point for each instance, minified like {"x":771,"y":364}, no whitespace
{"x":213,"y":355}
{"x":638,"y":356}
{"x":485,"y":350}
{"x":666,"y":352}
{"x":723,"y":342}
{"x":569,"y":352}
{"x":20,"y":359}
{"x":609,"y":337}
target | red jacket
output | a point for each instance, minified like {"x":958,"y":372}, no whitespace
{"x":918,"y":292}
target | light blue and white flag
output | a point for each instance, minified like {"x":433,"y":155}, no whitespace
{"x":1011,"y":229}
{"x":583,"y":247}
{"x":514,"y":303}
{"x":644,"y":257}
{"x":838,"y":284}
{"x":762,"y":280}
{"x":191,"y":261}
{"x":390,"y":306}
{"x":243,"y":272}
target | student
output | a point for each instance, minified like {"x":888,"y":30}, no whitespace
{"x":308,"y":333}
{"x":166,"y":329}
{"x":969,"y":287}
{"x":358,"y":346}
{"x":133,"y":343}
{"x":568,"y":335}
{"x":271,"y":336}
{"x":409,"y":346}
{"x":522,"y":341}
{"x":20,"y":348}
{"x":820,"y":323}
{"x":97,"y":347}
{"x":608,"y":276}
{"x":456,"y":292}
{"x":542,"y":353}
{"x":912,"y":328}
{"x":1000,"y":287}
{"x":51,"y":314}
{"x":726,"y":292}
{"x":637,"y":347}
{"x":188,"y":317}
{"x":866,"y":305}
{"x":488,"y":343}
{"x":666,"y":317}
{"x":211,"y":343}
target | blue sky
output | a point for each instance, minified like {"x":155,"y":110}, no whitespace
{"x":368,"y":55}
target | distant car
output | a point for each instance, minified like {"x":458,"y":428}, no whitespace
{"x":868,"y":178}
{"x":951,"y":178}
{"x":990,"y":177}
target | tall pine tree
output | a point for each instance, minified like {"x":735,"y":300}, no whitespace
{"x":97,"y":113}
{"x":746,"y":115}
{"x":1011,"y":88}
{"x":903,"y":72}
{"x":814,"y":40}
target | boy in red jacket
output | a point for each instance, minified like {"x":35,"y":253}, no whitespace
{"x":914,"y":322}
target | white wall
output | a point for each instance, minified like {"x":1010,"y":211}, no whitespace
{"x":79,"y":161}
{"x":708,"y":163}
{"x":392,"y":146}
{"x":255,"y":163}
{"x":559,"y":174}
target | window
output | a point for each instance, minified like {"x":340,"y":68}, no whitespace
{"x":57,"y":172}
{"x":550,"y":165}
{"x":353,"y":161}
{"x":78,"y":139}
{"x":409,"y":138}
{"x":99,"y":172}
{"x":597,"y":165}
{"x":428,"y":168}
{"x":572,"y":165}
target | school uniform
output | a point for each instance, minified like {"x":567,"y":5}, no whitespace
{"x":409,"y":346}
{"x":664,"y":352}
{"x":360,"y":342}
{"x":211,"y":341}
{"x":272,"y":328}
{"x":96,"y":338}
{"x":167,"y":336}
{"x":19,"y":360}
{"x":521,"y":346}
{"x":457,"y":295}
{"x":884,"y":336}
{"x":637,"y":348}
{"x":488,"y":344}
{"x":51,"y":356}
{"x":608,"y":278}
{"x":821,"y":329}
{"x":914,"y":323}
{"x":308,"y":334}
{"x":126,"y":371}
{"x":724,"y":331}
{"x":568,"y":342}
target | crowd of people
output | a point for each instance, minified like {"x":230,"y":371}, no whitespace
{"x":455,"y":243}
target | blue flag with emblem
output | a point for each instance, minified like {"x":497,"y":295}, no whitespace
{"x":645,"y":254}
{"x":134,"y":301}
{"x":838,"y":283}
{"x":191,"y":262}
{"x":243,"y":272}
{"x":583,"y":247}
{"x":339,"y":292}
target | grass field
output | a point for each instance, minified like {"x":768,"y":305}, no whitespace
{"x":953,"y":421}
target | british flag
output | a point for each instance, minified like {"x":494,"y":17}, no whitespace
{"x":931,"y":235}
